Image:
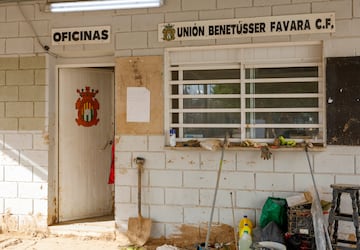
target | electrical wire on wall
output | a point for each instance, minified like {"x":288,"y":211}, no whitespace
{"x":45,"y":47}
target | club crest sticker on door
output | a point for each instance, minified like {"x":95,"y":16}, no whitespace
{"x":87,"y":106}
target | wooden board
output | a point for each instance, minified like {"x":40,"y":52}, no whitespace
{"x":146,"y":71}
{"x":343,"y":100}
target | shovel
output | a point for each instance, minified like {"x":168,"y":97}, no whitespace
{"x":139,"y":228}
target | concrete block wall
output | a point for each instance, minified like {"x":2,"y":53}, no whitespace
{"x":178,"y":185}
{"x":134,"y":32}
{"x":23,"y":143}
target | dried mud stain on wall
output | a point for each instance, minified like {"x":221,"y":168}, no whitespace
{"x":145,"y":72}
{"x":191,"y":236}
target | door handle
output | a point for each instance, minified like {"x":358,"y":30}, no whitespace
{"x":109,"y":142}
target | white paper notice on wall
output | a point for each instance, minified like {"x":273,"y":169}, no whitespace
{"x":138,"y":104}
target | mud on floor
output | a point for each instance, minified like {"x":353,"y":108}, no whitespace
{"x":189,"y":237}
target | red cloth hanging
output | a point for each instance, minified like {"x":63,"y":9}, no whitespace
{"x":112,"y":166}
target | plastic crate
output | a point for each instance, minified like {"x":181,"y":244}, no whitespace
{"x":300,"y":220}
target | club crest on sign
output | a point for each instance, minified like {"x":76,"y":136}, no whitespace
{"x":168,"y":32}
{"x":87,"y":106}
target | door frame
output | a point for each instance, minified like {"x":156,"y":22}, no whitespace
{"x":53,"y":178}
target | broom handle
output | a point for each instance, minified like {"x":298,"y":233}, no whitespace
{"x":234,"y":225}
{"x":216,"y":189}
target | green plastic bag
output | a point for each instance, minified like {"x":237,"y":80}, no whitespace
{"x":274,"y":209}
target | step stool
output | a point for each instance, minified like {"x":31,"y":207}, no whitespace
{"x":335,"y":215}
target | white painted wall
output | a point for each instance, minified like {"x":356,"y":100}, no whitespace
{"x":23,"y":143}
{"x":178,"y":185}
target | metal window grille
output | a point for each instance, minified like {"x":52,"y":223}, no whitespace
{"x":249,"y":98}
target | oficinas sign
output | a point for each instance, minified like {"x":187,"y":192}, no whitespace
{"x":81,"y":35}
{"x":247,"y":27}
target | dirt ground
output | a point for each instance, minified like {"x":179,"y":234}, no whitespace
{"x":41,"y":242}
{"x":188,"y":238}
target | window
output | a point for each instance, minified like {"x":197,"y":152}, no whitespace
{"x":256,"y":93}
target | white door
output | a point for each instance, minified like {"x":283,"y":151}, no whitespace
{"x":86,"y":126}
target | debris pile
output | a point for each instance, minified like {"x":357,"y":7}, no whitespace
{"x":192,"y":237}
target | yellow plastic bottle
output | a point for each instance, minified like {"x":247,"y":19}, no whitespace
{"x":243,"y":221}
{"x":247,"y":229}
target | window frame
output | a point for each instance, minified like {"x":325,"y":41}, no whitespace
{"x":312,"y":57}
